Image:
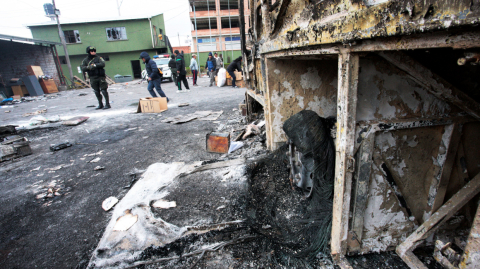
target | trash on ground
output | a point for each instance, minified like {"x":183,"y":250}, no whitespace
{"x":218,"y":142}
{"x":234,"y":145}
{"x":35,"y":113}
{"x":75,"y":120}
{"x":109,"y":203}
{"x":94,"y":154}
{"x":94,"y":160}
{"x":251,"y":129}
{"x":8,"y":111}
{"x":164,"y":204}
{"x":152,"y":105}
{"x":125,"y":222}
{"x":98,"y":168}
{"x":183,"y":104}
{"x":201,"y":115}
{"x":13,"y":147}
{"x":82,"y":94}
{"x":60,"y":146}
{"x":38,"y":120}
{"x":91,"y":106}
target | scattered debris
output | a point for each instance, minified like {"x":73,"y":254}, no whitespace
{"x":35,"y":113}
{"x":218,"y":142}
{"x":38,"y":120}
{"x":8,"y":111}
{"x":164,"y":204}
{"x":75,"y":121}
{"x":109,"y":203}
{"x":251,"y":129}
{"x":13,"y":147}
{"x":183,"y":104}
{"x":60,"y":146}
{"x":94,"y":160}
{"x":98,"y":168}
{"x":234,"y":146}
{"x":125,"y":222}
{"x":94,"y":106}
{"x":82,"y":94}
{"x":200,"y":115}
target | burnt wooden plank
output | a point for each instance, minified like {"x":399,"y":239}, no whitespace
{"x":348,"y":66}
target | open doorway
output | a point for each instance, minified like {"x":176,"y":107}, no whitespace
{"x":137,"y":70}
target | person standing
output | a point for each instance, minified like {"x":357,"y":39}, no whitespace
{"x":194,"y":68}
{"x":173,"y":68}
{"x":154,"y":78}
{"x":235,"y":65}
{"x":94,"y":65}
{"x":211,"y":65}
{"x":181,"y":71}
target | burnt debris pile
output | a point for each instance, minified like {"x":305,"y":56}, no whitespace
{"x":299,"y":226}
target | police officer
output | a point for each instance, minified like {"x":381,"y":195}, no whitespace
{"x":93,"y":65}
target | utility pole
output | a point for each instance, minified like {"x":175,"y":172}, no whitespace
{"x":196,"y":34}
{"x":118,"y":7}
{"x":62,"y":39}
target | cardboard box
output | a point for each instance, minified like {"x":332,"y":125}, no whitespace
{"x":238,"y":75}
{"x":218,"y":142}
{"x":19,"y":90}
{"x":238,"y":83}
{"x":34,"y":70}
{"x":152,"y":105}
{"x":48,"y":85}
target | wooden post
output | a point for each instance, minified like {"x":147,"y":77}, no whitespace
{"x":443,"y":214}
{"x":471,"y":256}
{"x":348,"y":64}
{"x":360,"y":191}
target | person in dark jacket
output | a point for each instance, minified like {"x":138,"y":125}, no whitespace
{"x":173,"y":67}
{"x":94,"y":65}
{"x":235,"y":65}
{"x":154,"y":78}
{"x":210,"y":65}
{"x":181,"y":72}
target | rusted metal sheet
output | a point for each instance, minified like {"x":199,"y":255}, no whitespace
{"x":218,"y":142}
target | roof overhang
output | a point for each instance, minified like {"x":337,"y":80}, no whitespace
{"x":27,"y":40}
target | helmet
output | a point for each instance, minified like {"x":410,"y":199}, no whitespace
{"x":90,"y":48}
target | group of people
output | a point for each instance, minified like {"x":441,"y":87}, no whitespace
{"x":214,"y":63}
{"x":94,"y":66}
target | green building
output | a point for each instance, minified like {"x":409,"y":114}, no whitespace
{"x":119,"y":41}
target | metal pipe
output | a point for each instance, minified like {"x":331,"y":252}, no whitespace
{"x":62,"y":38}
{"x":230,"y":23}
{"x":209,"y":26}
{"x":151,"y":32}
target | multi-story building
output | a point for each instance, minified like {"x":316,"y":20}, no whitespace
{"x":216,"y":28}
{"x":119,"y":41}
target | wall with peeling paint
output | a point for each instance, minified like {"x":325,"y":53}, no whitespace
{"x":295,"y":85}
{"x":385,"y":93}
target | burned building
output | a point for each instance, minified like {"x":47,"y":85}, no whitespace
{"x":400,"y":78}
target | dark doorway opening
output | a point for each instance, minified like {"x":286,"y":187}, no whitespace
{"x":137,"y":70}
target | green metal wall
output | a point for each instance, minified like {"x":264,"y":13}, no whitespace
{"x":94,"y":34}
{"x":227,"y":57}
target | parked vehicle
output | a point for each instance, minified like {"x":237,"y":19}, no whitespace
{"x":162,"y":62}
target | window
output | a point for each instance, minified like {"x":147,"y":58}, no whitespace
{"x":72,"y":36}
{"x":237,"y":38}
{"x":116,"y":33}
{"x":207,"y":40}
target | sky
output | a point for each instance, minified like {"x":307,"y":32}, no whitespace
{"x":15,"y":14}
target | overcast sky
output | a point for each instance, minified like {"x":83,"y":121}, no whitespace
{"x":15,"y":14}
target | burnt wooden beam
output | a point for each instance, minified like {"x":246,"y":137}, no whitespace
{"x":433,"y":83}
{"x":348,"y":67}
{"x":442,"y":215}
{"x":445,"y":161}
{"x":363,"y":171}
{"x":470,"y":258}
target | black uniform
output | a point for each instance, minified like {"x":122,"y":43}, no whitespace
{"x":94,"y":66}
{"x":173,"y":68}
{"x":182,"y":75}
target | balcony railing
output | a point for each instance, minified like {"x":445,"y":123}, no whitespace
{"x":213,"y":13}
{"x":206,"y":32}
